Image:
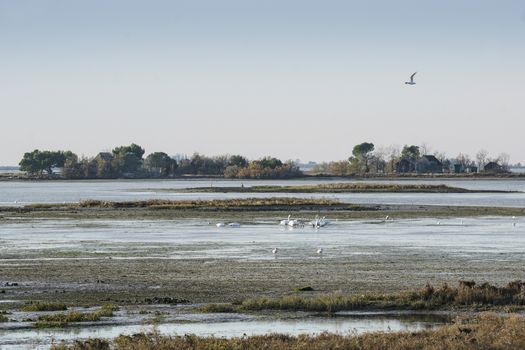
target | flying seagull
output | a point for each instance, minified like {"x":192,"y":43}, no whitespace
{"x":411,"y":82}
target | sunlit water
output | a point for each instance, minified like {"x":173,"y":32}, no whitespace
{"x":24,"y":192}
{"x":41,"y":339}
{"x":189,"y":239}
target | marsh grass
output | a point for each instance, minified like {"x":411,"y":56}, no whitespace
{"x":212,"y":204}
{"x":219,"y":308}
{"x":3,"y":318}
{"x":334,"y":188}
{"x":486,"y":331}
{"x":44,"y":306}
{"x":466,"y":294}
{"x":63,"y":319}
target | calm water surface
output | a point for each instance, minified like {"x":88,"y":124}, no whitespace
{"x":42,"y":339}
{"x":25,"y":192}
{"x":500,"y":237}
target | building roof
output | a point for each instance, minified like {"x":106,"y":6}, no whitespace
{"x":105,"y":156}
{"x":492,"y":165}
{"x":431,"y":158}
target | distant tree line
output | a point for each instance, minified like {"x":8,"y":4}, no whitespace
{"x":366,"y":159}
{"x":128,"y":162}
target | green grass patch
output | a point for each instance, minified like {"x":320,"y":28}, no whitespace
{"x":466,"y":294}
{"x":43,"y":306}
{"x":63,"y":319}
{"x":219,"y":308}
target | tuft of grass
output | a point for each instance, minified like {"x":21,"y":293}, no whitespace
{"x":219,"y":308}
{"x":467,"y":293}
{"x":63,"y":319}
{"x":43,"y":306}
{"x":3,"y":318}
{"x":304,"y":289}
{"x":487,"y":331}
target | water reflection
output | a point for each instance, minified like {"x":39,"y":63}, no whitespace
{"x":25,"y":338}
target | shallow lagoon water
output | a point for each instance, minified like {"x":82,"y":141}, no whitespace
{"x":42,"y":338}
{"x":26,"y":192}
{"x":190,"y":239}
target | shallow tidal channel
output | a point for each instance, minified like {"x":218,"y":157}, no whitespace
{"x":225,"y":325}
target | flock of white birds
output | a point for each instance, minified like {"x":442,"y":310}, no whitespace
{"x":318,"y":223}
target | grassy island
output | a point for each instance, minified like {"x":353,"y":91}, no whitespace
{"x":337,"y":188}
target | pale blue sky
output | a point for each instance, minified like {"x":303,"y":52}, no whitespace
{"x":295,"y":79}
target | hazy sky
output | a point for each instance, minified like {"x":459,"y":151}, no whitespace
{"x":294,"y":79}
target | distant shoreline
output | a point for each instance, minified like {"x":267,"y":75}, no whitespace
{"x":374,"y":177}
{"x":344,"y":187}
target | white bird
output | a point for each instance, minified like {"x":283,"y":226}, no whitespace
{"x":513,"y":218}
{"x":439,"y":222}
{"x":411,"y":82}
{"x":274,"y":250}
{"x":320,"y":251}
{"x":294,"y":222}
{"x":285,"y":221}
{"x":220,"y":224}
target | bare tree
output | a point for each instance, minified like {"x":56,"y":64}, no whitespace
{"x":425,"y":149}
{"x":504,"y":159}
{"x":441,"y":156}
{"x":379,"y":159}
{"x":393,"y":154}
{"x":464,"y":160}
{"x":481,"y":158}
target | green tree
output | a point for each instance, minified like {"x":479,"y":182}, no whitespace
{"x":159,"y":164}
{"x":410,"y":152}
{"x":127,"y":159}
{"x":133,"y":148}
{"x":410,"y":156}
{"x":72,"y":168}
{"x":268,"y":162}
{"x":37,"y":162}
{"x":127,"y":163}
{"x":239,"y":161}
{"x":361,"y":154}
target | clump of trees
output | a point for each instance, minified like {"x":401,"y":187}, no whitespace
{"x":367,"y":159}
{"x":36,"y":162}
{"x":129,"y":162}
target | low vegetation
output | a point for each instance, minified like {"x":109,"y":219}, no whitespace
{"x":466,"y":294}
{"x":335,"y":188}
{"x":206,"y":205}
{"x":245,"y":210}
{"x":44,"y":306}
{"x":63,"y":319}
{"x":487,"y":331}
